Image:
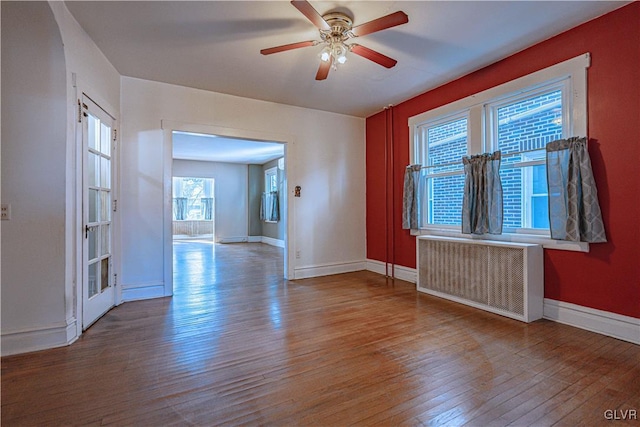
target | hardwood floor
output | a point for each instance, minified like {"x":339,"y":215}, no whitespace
{"x":238,"y":345}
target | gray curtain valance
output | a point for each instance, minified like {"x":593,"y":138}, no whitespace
{"x":574,"y":211}
{"x":482,"y":198}
{"x":411,"y":198}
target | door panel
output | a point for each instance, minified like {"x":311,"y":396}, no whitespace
{"x":98,"y":294}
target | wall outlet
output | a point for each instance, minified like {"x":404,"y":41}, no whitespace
{"x":5,"y":211}
{"x":297,"y":254}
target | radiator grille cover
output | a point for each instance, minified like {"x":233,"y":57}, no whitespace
{"x":495,"y":277}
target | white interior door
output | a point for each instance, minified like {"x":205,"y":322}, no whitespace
{"x":98,"y":136}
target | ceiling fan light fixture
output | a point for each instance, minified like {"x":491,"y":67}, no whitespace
{"x":340,"y":52}
{"x":325,"y":54}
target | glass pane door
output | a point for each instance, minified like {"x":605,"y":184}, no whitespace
{"x":98,"y":293}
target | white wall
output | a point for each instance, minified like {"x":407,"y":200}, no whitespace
{"x":94,"y":72}
{"x":87,"y":71}
{"x":325,"y":156}
{"x":42,"y":48}
{"x":33,"y":175}
{"x":230,"y":190}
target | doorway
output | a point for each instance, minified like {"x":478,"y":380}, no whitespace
{"x":236,"y":165}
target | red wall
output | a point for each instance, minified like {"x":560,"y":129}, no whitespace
{"x":606,"y":278}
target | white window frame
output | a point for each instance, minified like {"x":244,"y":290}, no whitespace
{"x":571,"y":73}
{"x":491,"y":140}
{"x":527,"y":201}
{"x":422,"y":151}
{"x":267,"y":179}
{"x":267,"y":183}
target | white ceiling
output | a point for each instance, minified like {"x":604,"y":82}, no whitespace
{"x":215,"y":45}
{"x":195,"y":146}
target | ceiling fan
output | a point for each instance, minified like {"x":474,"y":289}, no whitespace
{"x":335,"y":29}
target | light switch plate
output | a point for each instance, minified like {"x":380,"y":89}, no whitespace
{"x":5,"y":211}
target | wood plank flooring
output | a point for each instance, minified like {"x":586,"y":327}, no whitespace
{"x":238,"y":345}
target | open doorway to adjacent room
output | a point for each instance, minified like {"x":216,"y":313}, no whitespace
{"x":228,"y":196}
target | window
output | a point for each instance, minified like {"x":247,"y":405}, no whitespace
{"x":192,"y":198}
{"x":270,"y":208}
{"x":521,"y":126}
{"x":444,"y":144}
{"x":518,"y":118}
{"x":271,"y":180}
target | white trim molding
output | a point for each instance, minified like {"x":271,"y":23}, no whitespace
{"x":135,"y":292}
{"x":603,"y":322}
{"x":257,"y":239}
{"x":273,"y":242}
{"x":35,"y":339}
{"x":233,"y":239}
{"x":543,"y":240}
{"x":399,"y":271}
{"x":328,"y":269}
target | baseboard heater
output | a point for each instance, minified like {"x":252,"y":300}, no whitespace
{"x":500,"y":277}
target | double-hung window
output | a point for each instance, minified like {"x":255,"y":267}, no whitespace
{"x":443,"y":143}
{"x":520,"y":126}
{"x":517,"y":118}
{"x":270,"y":202}
{"x":271,"y":180}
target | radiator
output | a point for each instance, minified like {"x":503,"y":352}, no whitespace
{"x":501,"y":277}
{"x":192,"y":227}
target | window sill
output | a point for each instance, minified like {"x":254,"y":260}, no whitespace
{"x":545,"y":241}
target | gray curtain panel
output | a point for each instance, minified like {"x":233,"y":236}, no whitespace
{"x":270,"y":207}
{"x":574,"y":211}
{"x":411,"y":198}
{"x":180,"y":208}
{"x":482,"y":198}
{"x":206,"y":206}
{"x":274,"y":207}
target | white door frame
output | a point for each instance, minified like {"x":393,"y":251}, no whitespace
{"x":288,"y":141}
{"x":83,"y":89}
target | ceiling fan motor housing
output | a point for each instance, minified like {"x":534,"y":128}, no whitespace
{"x":340,"y":25}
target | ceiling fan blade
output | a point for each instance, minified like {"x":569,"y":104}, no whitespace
{"x":323,"y":71}
{"x":312,"y":15}
{"x":388,"y":21}
{"x":374,"y":56}
{"x":286,"y":47}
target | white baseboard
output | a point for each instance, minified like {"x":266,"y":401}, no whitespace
{"x":266,"y":240}
{"x":233,"y":239}
{"x":142,"y":291}
{"x":16,"y":342}
{"x":603,"y":322}
{"x":399,"y":271}
{"x":273,"y":242}
{"x":327,"y":269}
